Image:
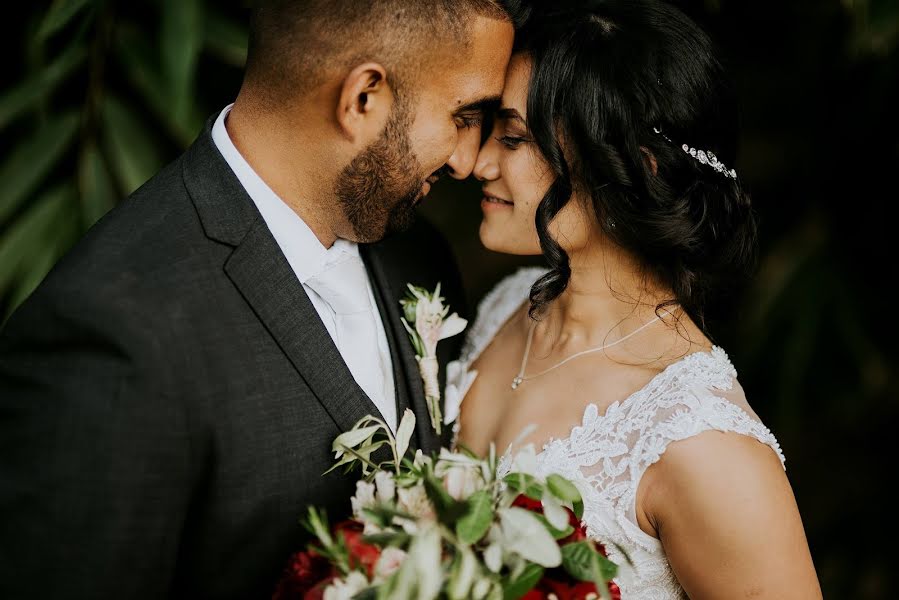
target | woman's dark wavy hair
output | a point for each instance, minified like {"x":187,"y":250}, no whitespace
{"x":605,"y":75}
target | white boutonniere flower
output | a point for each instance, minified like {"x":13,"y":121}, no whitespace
{"x":429,"y":321}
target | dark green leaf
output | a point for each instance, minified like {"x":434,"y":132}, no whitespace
{"x":524,"y":583}
{"x":97,"y":192}
{"x":225,"y":39}
{"x":474,"y":525}
{"x":397,"y":538}
{"x":60,"y":13}
{"x":556,"y":533}
{"x":23,"y":97}
{"x":524,"y":484}
{"x":367,"y":594}
{"x":578,"y":509}
{"x":139,"y":62}
{"x":579,"y":559}
{"x":180,"y":42}
{"x":563,"y":489}
{"x":448,"y":509}
{"x":23,"y":247}
{"x":36,"y":268}
{"x":129,"y":146}
{"x":33,"y":159}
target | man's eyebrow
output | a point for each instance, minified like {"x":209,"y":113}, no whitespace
{"x":481,"y":105}
{"x":510,"y":114}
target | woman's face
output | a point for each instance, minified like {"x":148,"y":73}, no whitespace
{"x":516,"y":177}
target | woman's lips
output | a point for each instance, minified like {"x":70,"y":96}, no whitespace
{"x":491,"y":202}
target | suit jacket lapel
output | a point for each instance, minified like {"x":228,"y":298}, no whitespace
{"x":389,"y":291}
{"x":260,"y":271}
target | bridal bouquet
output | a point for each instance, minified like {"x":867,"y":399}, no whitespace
{"x":449,"y":526}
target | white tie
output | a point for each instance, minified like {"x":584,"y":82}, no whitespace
{"x":344,"y":286}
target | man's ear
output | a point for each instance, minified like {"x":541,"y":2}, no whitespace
{"x":364,"y":103}
{"x":650,"y":159}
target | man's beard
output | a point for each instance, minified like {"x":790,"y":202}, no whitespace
{"x":379,"y":189}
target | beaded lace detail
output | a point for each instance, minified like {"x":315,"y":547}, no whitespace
{"x":607,"y":454}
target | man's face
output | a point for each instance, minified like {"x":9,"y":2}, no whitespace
{"x":437,"y":131}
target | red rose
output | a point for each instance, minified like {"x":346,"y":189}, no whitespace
{"x":304,"y":572}
{"x":361,"y":553}
{"x":527,"y":503}
{"x":580,"y":530}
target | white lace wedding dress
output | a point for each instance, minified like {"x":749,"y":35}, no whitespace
{"x":607,"y":454}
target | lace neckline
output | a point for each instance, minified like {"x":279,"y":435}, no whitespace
{"x":722,"y":372}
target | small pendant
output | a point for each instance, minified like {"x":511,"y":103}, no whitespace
{"x":517,"y":382}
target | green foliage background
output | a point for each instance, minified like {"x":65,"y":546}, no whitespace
{"x":101,"y":93}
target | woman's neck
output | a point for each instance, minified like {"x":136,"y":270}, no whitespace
{"x":607,"y":298}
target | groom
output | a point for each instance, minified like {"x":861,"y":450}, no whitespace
{"x":169,"y":394}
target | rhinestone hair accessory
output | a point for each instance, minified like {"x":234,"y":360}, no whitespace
{"x":706,"y":158}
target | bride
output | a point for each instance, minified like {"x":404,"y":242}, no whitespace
{"x":612,"y":156}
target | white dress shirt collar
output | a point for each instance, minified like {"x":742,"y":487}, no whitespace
{"x":305,"y":253}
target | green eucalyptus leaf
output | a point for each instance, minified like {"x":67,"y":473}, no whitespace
{"x":33,"y":159}
{"x":353,"y":437}
{"x":60,"y":14}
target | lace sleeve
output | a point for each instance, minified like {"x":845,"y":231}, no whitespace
{"x":610,"y":452}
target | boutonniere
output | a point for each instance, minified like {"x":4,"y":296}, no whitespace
{"x":428,"y":321}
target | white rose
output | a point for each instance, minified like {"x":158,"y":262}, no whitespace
{"x":364,"y":498}
{"x":461,"y":482}
{"x":345,"y":589}
{"x":414,"y":501}
{"x":389,"y":562}
{"x":386,"y":487}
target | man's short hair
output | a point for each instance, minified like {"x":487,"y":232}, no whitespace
{"x":295,"y":45}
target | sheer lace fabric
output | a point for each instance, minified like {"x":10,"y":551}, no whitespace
{"x":607,"y":454}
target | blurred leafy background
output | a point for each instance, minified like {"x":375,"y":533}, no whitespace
{"x":99,"y":94}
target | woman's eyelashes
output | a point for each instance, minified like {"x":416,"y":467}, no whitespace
{"x":510,"y":141}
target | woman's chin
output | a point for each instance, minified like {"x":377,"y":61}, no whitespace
{"x":505,"y":240}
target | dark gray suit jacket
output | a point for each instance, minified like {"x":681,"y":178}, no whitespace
{"x":168,"y":397}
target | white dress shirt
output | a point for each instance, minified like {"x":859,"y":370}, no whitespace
{"x":308,"y":257}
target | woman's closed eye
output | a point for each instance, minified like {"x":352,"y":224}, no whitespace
{"x":511,"y":142}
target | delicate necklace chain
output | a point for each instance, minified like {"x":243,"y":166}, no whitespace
{"x":521,"y":378}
